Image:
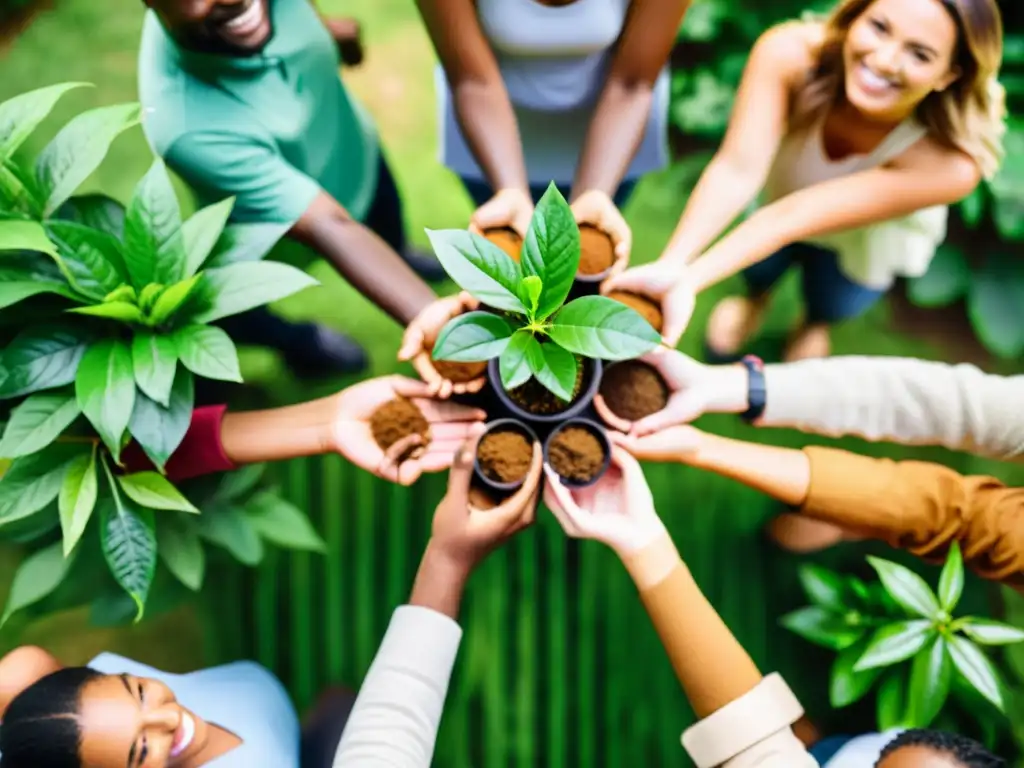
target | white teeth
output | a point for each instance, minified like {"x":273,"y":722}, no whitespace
{"x":248,"y":21}
{"x":188,"y":732}
{"x":872,"y":80}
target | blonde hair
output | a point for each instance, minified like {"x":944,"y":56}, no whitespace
{"x":969,"y":115}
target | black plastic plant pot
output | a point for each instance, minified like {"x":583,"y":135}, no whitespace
{"x":587,"y":285}
{"x":555,"y":455}
{"x":502,"y":425}
{"x":592,"y":370}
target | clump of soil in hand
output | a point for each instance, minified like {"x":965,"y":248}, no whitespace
{"x":576,"y":454}
{"x":507,"y":239}
{"x":397,"y":419}
{"x":597,"y":251}
{"x":643,"y":306}
{"x":505,"y":455}
{"x":536,"y":398}
{"x":459,"y":373}
{"x":633,"y":390}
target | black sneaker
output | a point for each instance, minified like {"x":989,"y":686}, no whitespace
{"x":324,"y":352}
{"x":424,"y":264}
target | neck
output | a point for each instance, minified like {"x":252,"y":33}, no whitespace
{"x":853,"y":116}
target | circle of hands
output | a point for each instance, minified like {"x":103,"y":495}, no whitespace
{"x":616,"y":510}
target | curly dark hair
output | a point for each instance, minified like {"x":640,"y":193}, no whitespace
{"x":967,"y":752}
{"x":40,"y":728}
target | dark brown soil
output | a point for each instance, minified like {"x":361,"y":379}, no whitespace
{"x":597,"y":252}
{"x":632,"y":390}
{"x":481,"y":499}
{"x":536,"y":398}
{"x":576,"y":454}
{"x":646,"y":308}
{"x":396,"y":419}
{"x":507,"y":239}
{"x":505,"y":455}
{"x":459,"y":372}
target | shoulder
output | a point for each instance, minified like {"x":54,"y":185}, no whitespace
{"x":790,"y":47}
{"x":21,"y":668}
{"x":950,"y":165}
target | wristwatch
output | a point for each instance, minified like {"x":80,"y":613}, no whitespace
{"x":757,"y":395}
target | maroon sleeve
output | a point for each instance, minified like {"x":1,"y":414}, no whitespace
{"x":200,"y":452}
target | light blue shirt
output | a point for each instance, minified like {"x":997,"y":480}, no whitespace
{"x":242,"y":697}
{"x":863,"y":751}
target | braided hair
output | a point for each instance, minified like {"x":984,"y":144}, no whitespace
{"x":967,"y":752}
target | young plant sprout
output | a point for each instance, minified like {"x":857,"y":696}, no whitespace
{"x":534,"y":333}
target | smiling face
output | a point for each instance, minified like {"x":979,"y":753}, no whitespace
{"x":896,"y":53}
{"x":132,"y":722}
{"x":226,"y":27}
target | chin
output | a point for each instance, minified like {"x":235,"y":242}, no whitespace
{"x":871,"y":105}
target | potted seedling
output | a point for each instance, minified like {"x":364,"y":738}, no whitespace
{"x":504,"y":455}
{"x":579,"y":451}
{"x":544,"y":355}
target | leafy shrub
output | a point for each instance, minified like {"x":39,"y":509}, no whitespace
{"x":530,"y":296}
{"x":876,"y":629}
{"x":107,"y":316}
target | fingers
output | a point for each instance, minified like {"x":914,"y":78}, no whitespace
{"x":625,"y":461}
{"x":609,"y":418}
{"x":656,"y":422}
{"x":461,"y":473}
{"x":391,"y":464}
{"x":520,"y":509}
{"x":676,"y":310}
{"x":632,"y":280}
{"x":559,"y":500}
{"x":441,"y":451}
{"x":446,"y":412}
{"x":469,"y":387}
{"x":412,"y":343}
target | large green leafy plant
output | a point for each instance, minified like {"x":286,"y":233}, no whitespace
{"x":902,"y":636}
{"x":533,"y":334}
{"x":105,"y":327}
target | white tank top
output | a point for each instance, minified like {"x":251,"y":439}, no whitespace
{"x":553,"y":60}
{"x":877,"y":254}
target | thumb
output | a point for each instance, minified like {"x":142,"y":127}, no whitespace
{"x":412,"y":343}
{"x":461,"y":473}
{"x":656,"y":422}
{"x":491,"y":215}
{"x":631,"y":280}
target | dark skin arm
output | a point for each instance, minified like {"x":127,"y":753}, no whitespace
{"x":618,"y":124}
{"x":481,"y":101}
{"x":363,"y":259}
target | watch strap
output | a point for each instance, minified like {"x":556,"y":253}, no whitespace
{"x":757,"y":395}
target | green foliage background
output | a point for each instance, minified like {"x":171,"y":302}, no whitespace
{"x":559,"y":666}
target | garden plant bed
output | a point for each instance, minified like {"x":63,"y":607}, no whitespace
{"x":633,"y":389}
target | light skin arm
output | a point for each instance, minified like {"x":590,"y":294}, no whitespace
{"x":363,"y":258}
{"x":618,"y":123}
{"x":482,"y":105}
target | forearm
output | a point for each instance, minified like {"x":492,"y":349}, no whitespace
{"x":279,"y":434}
{"x":440,"y":584}
{"x":614,"y":133}
{"x":490,"y":128}
{"x":756,"y":238}
{"x":782,"y":473}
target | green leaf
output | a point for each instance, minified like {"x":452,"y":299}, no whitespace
{"x":154,"y":491}
{"x":233,"y":485}
{"x":946,"y":280}
{"x":894,"y":643}
{"x":18,"y":196}
{"x":282,"y":523}
{"x":995,"y":303}
{"x":93,"y":259}
{"x":77,"y":498}
{"x":532,"y":286}
{"x":822,"y":627}
{"x":596,"y":326}
{"x":480,"y":267}
{"x":951,"y":582}
{"x":29,"y":273}
{"x":148,"y":295}
{"x":160,"y":429}
{"x":977,"y":670}
{"x":43,"y":357}
{"x":33,"y":482}
{"x":517,"y":363}
{"x":236,"y":288}
{"x":472,"y":337}
{"x":121,"y":311}
{"x":105,"y":388}
{"x":972,"y":207}
{"x":824,"y":587}
{"x":182,"y":552}
{"x":230,"y":528}
{"x":245,"y":242}
{"x":930,"y":676}
{"x":891,"y":703}
{"x":78,"y":149}
{"x":11,"y":293}
{"x":551,"y":250}
{"x":172,"y":299}
{"x":37,"y":422}
{"x":989,"y":632}
{"x":122,"y":293}
{"x":20,"y":235}
{"x":906,"y":588}
{"x":22,"y":114}
{"x":558,"y":373}
{"x":154,"y":359}
{"x":129,"y":545}
{"x":846,"y":685}
{"x":207,"y":351}
{"x":154,"y":246}
{"x":38,"y":575}
{"x":202,"y":231}
{"x":97,"y":211}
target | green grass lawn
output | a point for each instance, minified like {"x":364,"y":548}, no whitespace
{"x":559,"y":665}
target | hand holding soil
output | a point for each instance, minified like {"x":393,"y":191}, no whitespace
{"x":444,"y":378}
{"x":506,"y":238}
{"x":508,"y":208}
{"x":600,"y":219}
{"x":630,"y":391}
{"x":680,"y":443}
{"x":464,"y":534}
{"x":391,"y":427}
{"x":618,"y":510}
{"x":663,"y":283}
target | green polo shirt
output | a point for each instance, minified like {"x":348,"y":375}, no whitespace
{"x":273,"y":130}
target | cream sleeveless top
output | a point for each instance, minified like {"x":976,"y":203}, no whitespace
{"x":554,"y":61}
{"x":874,"y":255}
